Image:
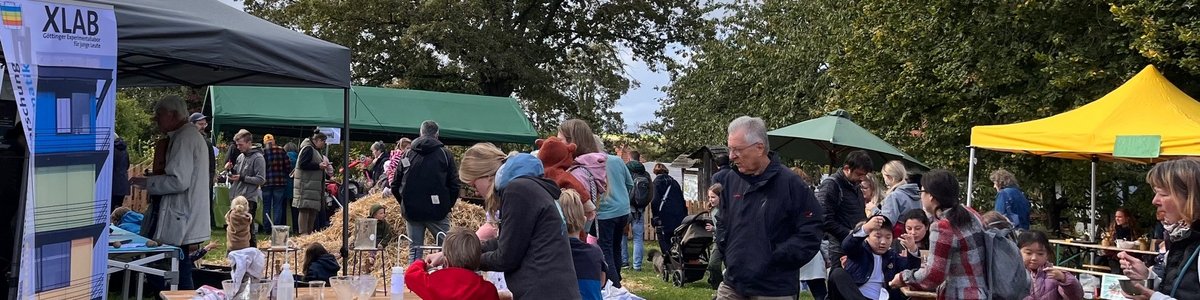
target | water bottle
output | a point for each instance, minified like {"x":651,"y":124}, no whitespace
{"x":397,"y":283}
{"x":285,"y":285}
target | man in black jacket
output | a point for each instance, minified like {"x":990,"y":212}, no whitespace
{"x":426,"y":186}
{"x":771,"y":220}
{"x":842,"y":200}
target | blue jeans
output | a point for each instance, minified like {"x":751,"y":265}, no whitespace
{"x":416,"y":232}
{"x":639,"y":230}
{"x":612,"y":233}
{"x":274,"y":207}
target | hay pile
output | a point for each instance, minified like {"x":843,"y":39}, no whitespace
{"x":463,"y":215}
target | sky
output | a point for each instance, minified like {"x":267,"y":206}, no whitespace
{"x":637,"y":106}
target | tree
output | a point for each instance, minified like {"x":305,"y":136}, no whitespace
{"x":546,"y":53}
{"x":919,"y":75}
{"x":1167,"y":33}
{"x":767,"y":61}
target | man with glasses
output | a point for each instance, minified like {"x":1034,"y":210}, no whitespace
{"x":771,"y":219}
{"x":843,"y":202}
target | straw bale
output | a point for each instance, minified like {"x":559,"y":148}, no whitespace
{"x":463,"y":214}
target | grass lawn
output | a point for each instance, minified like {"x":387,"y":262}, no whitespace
{"x":648,"y":284}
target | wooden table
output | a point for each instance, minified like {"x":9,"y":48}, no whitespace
{"x":1063,"y":260}
{"x":301,"y":293}
{"x":913,"y":294}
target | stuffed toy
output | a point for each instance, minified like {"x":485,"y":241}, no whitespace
{"x":557,"y":157}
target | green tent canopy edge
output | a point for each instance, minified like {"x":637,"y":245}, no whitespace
{"x":375,"y":114}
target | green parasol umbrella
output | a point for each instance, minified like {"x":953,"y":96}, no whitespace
{"x":827,"y":140}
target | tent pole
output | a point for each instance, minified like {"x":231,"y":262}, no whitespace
{"x":1092,"y":212}
{"x":971,"y":176}
{"x":345,"y":190}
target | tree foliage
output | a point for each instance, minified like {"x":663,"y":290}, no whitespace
{"x":921,"y":74}
{"x":558,"y":57}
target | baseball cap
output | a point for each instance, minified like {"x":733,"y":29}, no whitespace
{"x":268,"y":138}
{"x":196,"y":117}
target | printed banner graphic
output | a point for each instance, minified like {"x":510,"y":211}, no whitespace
{"x":61,"y":61}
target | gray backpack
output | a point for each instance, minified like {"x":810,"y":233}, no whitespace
{"x":1006,"y":275}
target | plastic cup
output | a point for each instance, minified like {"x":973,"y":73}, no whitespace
{"x":230,"y":288}
{"x":316,"y":290}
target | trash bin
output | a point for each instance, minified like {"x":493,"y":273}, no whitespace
{"x":221,"y":205}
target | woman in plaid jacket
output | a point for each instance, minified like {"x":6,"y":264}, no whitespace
{"x":955,"y":266}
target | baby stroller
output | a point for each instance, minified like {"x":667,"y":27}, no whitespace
{"x":688,"y":260}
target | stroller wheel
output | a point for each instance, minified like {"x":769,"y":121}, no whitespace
{"x":677,"y":278}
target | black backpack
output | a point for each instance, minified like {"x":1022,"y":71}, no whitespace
{"x":640,"y":197}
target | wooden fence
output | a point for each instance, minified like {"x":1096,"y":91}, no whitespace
{"x":137,"y":199}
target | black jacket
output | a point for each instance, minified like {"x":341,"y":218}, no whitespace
{"x":843,"y":204}
{"x":430,"y":172}
{"x":120,"y":169}
{"x":376,"y":171}
{"x":532,"y":249}
{"x":772,"y":227}
{"x":320,"y":270}
{"x":860,"y":261}
{"x":1178,"y":253}
{"x":668,"y":204}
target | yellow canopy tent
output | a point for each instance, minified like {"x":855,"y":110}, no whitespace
{"x":1146,"y":113}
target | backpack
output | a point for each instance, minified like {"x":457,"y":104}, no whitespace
{"x":1006,"y":275}
{"x":640,"y":197}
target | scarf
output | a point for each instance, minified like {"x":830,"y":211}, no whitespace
{"x":1178,"y":231}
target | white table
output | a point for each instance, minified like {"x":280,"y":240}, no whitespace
{"x":139,"y":259}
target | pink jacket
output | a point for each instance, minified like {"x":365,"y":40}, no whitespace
{"x":589,"y":170}
{"x":1045,"y":288}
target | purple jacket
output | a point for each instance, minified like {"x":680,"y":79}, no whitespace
{"x":1045,"y":288}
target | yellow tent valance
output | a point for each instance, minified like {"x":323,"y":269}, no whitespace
{"x":1147,"y":104}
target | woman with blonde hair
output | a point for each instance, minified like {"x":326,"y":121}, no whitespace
{"x":1176,"y":186}
{"x":532,"y":248}
{"x":872,"y":190}
{"x":902,"y":195}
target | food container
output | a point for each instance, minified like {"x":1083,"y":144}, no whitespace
{"x":364,"y":233}
{"x":279,"y":236}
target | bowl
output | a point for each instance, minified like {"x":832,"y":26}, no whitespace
{"x":1128,"y":288}
{"x":344,"y":287}
{"x":1127,"y":245}
{"x":366,"y":286}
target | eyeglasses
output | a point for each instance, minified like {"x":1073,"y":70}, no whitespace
{"x":737,"y":151}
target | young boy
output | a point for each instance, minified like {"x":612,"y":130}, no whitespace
{"x":870,"y":262}
{"x":589,"y":260}
{"x":458,"y":279}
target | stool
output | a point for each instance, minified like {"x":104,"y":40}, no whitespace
{"x":378,"y":253}
{"x":271,"y":268}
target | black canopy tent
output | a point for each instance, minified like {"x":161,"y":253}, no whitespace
{"x":197,"y":43}
{"x":204,"y":42}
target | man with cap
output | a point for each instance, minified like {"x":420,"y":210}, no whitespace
{"x":275,"y":191}
{"x":201,"y":122}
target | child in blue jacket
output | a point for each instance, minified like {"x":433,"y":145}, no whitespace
{"x":870,"y":262}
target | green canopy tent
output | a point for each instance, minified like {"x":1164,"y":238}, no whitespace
{"x":827,"y":139}
{"x":375,"y":113}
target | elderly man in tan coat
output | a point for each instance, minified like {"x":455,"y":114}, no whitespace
{"x":183,"y":219}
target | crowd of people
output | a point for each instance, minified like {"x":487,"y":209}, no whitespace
{"x":559,"y":220}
